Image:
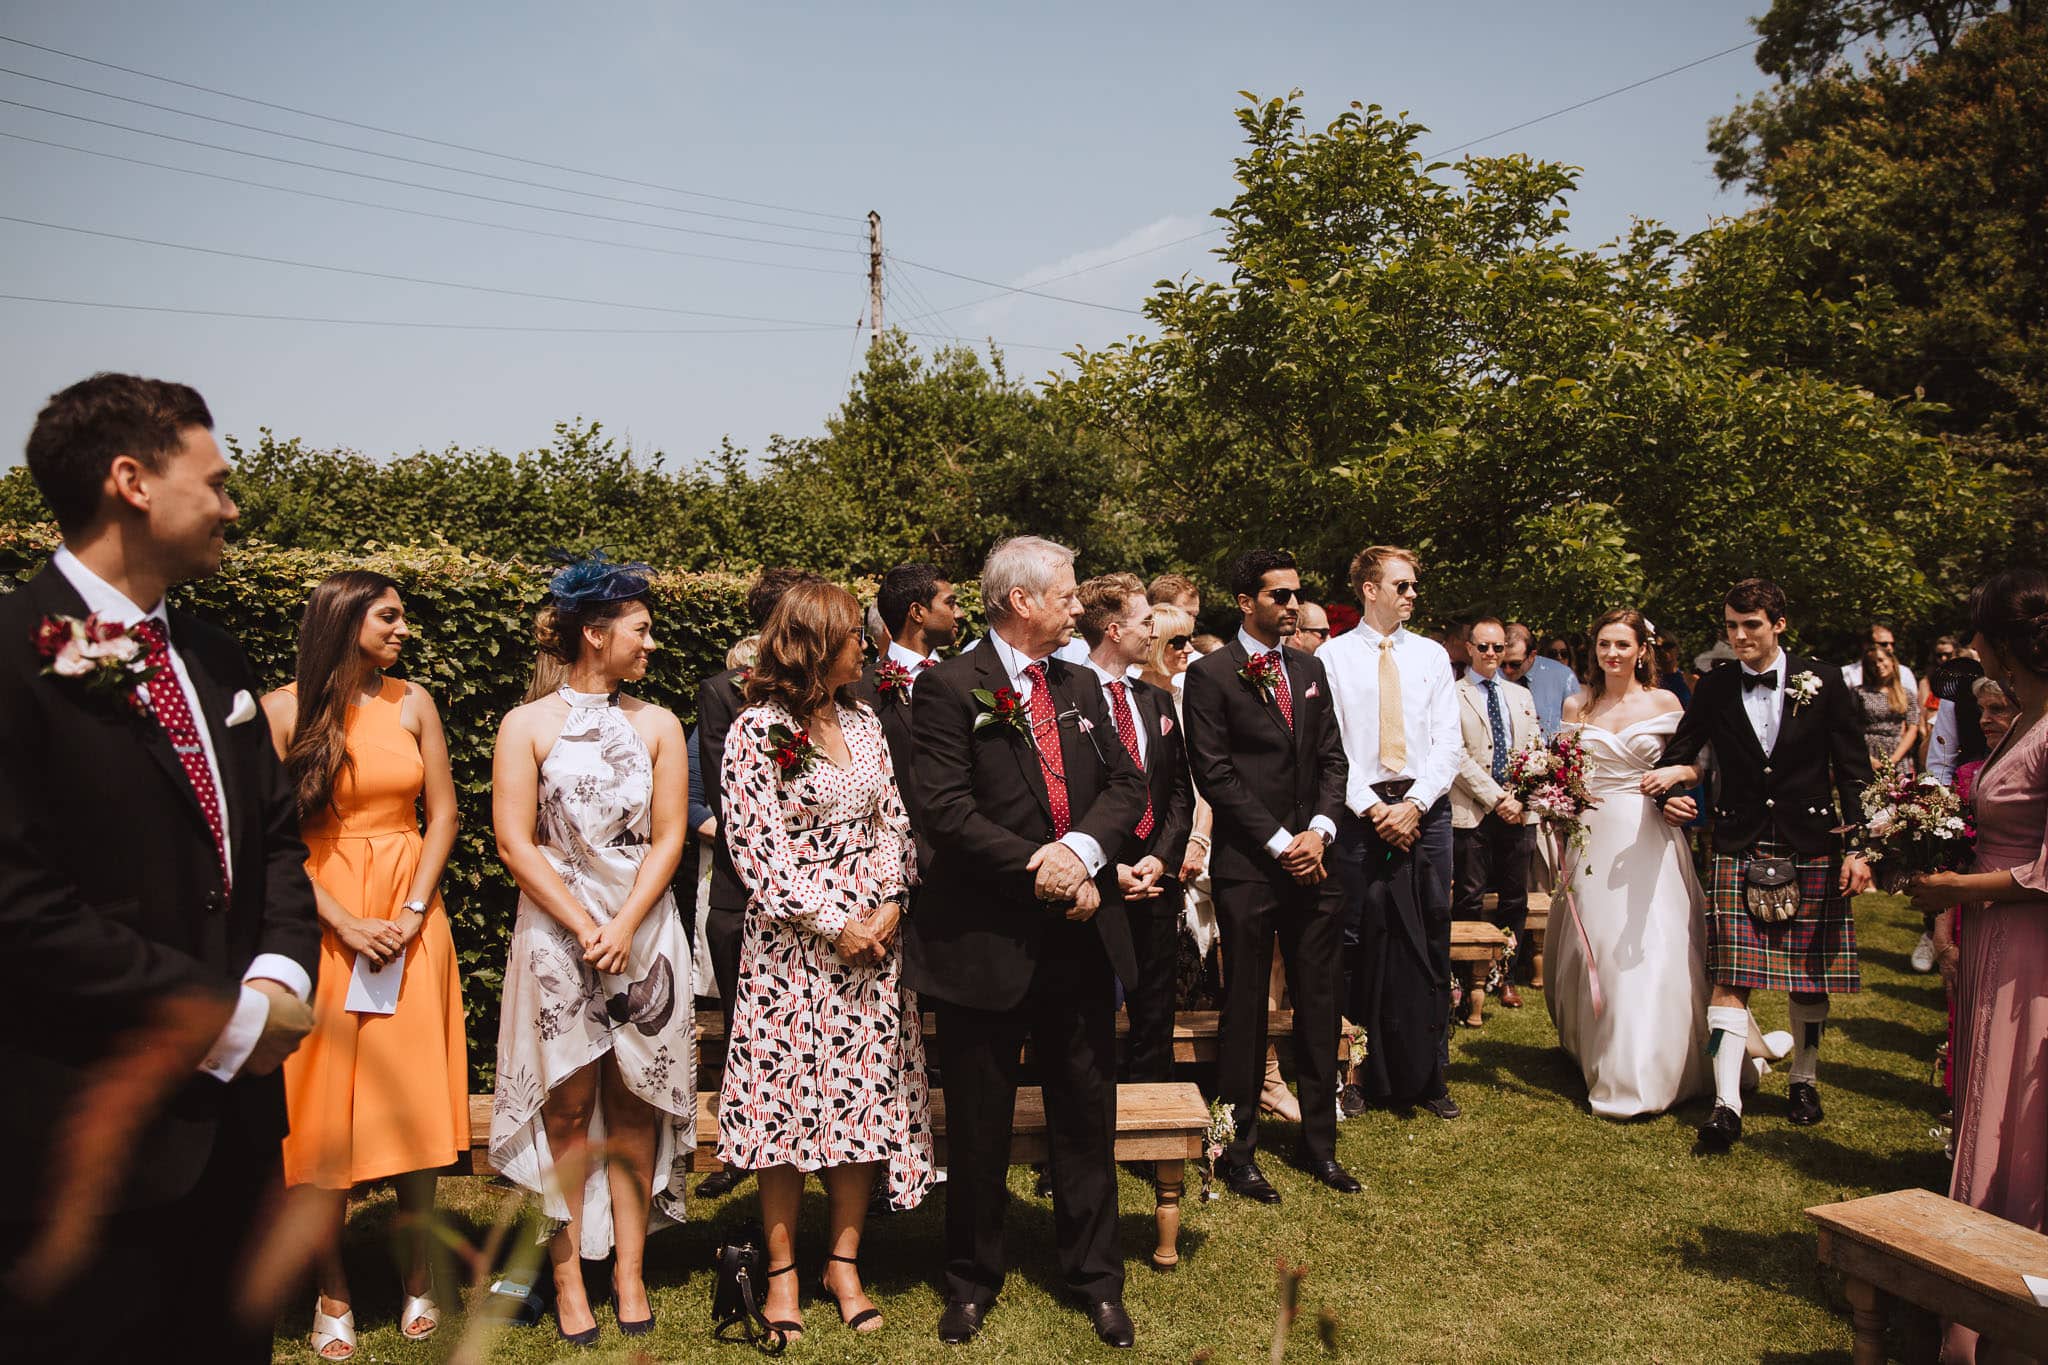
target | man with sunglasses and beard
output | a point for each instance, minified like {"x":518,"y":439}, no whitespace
{"x":1395,"y":701}
{"x":1268,"y":757}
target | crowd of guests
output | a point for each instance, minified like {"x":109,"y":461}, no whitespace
{"x":1020,"y":832}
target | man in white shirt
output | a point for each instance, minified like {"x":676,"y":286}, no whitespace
{"x":152,"y":890}
{"x":1399,"y":714}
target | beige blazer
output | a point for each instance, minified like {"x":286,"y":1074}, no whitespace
{"x":1474,"y":793}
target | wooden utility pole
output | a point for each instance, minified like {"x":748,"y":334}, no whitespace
{"x":874,"y":278}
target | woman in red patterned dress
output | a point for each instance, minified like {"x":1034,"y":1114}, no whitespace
{"x":825,"y":1067}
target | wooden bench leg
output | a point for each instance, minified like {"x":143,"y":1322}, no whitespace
{"x":1167,"y":1179}
{"x":1475,"y":994}
{"x":1867,"y":1304}
{"x":1536,"y":966}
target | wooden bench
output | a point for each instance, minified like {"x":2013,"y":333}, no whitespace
{"x":1536,"y":926}
{"x":1475,"y":947}
{"x":1163,"y":1124}
{"x":1950,"y":1259}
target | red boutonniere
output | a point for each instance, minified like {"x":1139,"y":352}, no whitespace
{"x":1004,"y":706}
{"x":739,"y":678}
{"x":891,"y":676}
{"x":1263,"y":675}
{"x":792,"y":750}
{"x":102,"y":656}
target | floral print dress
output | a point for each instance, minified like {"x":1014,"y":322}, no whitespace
{"x":559,"y":1013}
{"x":826,"y":1062}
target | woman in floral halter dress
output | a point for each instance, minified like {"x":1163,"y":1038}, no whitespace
{"x":596,"y":1042}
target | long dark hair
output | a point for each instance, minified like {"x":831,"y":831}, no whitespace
{"x":330,"y":671}
{"x":1645,"y":634}
{"x":2010,"y":610}
{"x":803,"y":635}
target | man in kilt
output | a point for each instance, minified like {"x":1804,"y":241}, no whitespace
{"x":1790,"y":746}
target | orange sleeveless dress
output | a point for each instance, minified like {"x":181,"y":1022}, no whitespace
{"x":372,"y":1095}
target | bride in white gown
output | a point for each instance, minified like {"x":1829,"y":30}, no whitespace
{"x":1639,"y":903}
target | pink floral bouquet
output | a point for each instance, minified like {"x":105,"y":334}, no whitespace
{"x":1550,"y":781}
{"x":1913,"y":826}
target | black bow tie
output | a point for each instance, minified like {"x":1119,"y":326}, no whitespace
{"x":1769,"y":679}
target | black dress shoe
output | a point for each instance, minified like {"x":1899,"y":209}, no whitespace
{"x":1329,"y":1172}
{"x":1248,"y":1180}
{"x":721,"y":1183}
{"x":1444,"y":1107}
{"x":1805,"y":1110}
{"x":1351,"y":1102}
{"x":961,"y":1321}
{"x":1111,"y":1322}
{"x":1721,"y":1129}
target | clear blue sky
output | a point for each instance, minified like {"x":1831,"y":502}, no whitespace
{"x":1007,"y":143}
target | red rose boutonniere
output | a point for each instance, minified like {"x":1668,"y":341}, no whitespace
{"x":1263,"y":675}
{"x":792,"y":750}
{"x":1004,"y":706}
{"x":891,"y":676}
{"x":102,"y":656}
{"x":739,"y":678}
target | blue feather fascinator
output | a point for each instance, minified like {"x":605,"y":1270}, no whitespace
{"x":596,"y":578}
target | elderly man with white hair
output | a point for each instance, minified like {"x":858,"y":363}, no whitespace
{"x":1029,"y":801}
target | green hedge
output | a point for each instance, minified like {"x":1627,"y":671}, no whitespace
{"x":472,"y":648}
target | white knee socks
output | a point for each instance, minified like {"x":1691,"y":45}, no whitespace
{"x":1808,"y":1018}
{"x":1727,"y":1042}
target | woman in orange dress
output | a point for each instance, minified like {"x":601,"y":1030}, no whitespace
{"x":372,"y":1096}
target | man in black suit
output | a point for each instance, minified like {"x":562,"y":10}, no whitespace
{"x":1269,"y":759}
{"x":1789,"y":744}
{"x":151,"y":879}
{"x":1116,"y":621}
{"x":725,"y":919}
{"x":922,"y":613}
{"x":1028,"y":805}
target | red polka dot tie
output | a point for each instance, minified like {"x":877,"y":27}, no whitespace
{"x":167,"y":703}
{"x":1127,"y":731}
{"x":1280,"y":692}
{"x":1045,"y":730}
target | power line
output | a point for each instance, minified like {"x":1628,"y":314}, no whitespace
{"x":416,"y":185}
{"x":423,"y":213}
{"x":444,"y":326}
{"x":400,"y":279}
{"x":416,"y":161}
{"x":1573,"y":108}
{"x":1016,"y":289}
{"x":472,"y":327}
{"x":1099,"y":265}
{"x":417,"y":137}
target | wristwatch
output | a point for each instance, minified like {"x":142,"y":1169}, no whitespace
{"x":418,"y":907}
{"x":1328,"y":838}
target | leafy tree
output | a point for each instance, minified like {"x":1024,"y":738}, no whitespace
{"x":1393,"y":357}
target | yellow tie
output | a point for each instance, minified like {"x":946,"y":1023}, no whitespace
{"x":1393,"y":727}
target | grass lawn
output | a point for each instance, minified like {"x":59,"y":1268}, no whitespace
{"x":1526,"y":1231}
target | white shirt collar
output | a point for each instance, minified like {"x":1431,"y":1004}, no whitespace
{"x":1251,"y":646}
{"x":1364,"y":631}
{"x":1104,"y":676}
{"x":103,"y":599}
{"x":1014,"y":660}
{"x":912,"y":661}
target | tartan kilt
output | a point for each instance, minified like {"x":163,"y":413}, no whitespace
{"x":1814,"y":952}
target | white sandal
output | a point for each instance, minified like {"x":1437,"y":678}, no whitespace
{"x":328,"y":1330}
{"x":416,"y":1307}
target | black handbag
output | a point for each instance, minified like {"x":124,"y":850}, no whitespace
{"x":737,"y":1293}
{"x":1770,"y":889}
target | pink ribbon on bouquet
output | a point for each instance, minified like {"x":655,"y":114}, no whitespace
{"x":1567,"y":864}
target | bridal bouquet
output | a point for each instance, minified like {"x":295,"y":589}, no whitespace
{"x":1549,"y":780}
{"x":1913,"y":826}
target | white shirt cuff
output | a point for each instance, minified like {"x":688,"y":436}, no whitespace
{"x":1325,"y":826}
{"x":252,"y":1011}
{"x":1277,"y":845}
{"x":1086,"y":849}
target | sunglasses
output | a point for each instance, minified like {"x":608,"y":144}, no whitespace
{"x":1559,"y":653}
{"x":1489,"y":649}
{"x":1179,"y":641}
{"x":1323,"y":631}
{"x":1282,"y":596}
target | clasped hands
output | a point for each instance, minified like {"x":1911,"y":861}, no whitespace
{"x":1396,"y":822}
{"x":865,"y":939}
{"x":1062,"y":876}
{"x":1139,"y":881}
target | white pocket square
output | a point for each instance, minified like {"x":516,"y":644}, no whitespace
{"x":242,"y":709}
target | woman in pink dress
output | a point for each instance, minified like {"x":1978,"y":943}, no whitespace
{"x":2001,"y":1099}
{"x":825,"y":1070}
